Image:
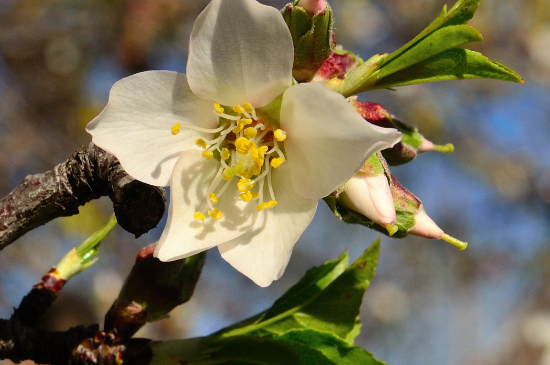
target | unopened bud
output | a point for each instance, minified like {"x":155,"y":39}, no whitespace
{"x":152,"y":289}
{"x":313,"y":6}
{"x":310,"y":25}
{"x":412,"y":143}
{"x":368,"y":193}
{"x":337,"y":65}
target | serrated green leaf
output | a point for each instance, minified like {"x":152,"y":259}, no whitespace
{"x":238,"y":350}
{"x":433,"y":44}
{"x":459,"y":14}
{"x":453,"y":64}
{"x":334,"y":348}
{"x":333,"y":309}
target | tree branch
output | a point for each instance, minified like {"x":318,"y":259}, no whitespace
{"x":89,"y":174}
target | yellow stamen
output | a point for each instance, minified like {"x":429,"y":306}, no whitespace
{"x":279,"y":135}
{"x":213,"y":197}
{"x":176,"y":128}
{"x":246,"y":197}
{"x":276,"y":162}
{"x":208,"y":155}
{"x":201,"y":143}
{"x":199,"y":216}
{"x":247,"y":107}
{"x":245,"y":185}
{"x":243,"y":145}
{"x":257,"y":155}
{"x":238,"y":109}
{"x":268,"y":205}
{"x":225,"y":154}
{"x":255,"y":195}
{"x":246,"y":121}
{"x":250,"y":132}
{"x":216,"y":214}
{"x":218,"y":108}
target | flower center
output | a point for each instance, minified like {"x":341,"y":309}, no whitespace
{"x":248,"y":148}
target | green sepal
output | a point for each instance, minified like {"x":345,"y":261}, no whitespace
{"x":453,"y":64}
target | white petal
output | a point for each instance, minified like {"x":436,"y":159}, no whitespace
{"x":370,"y":195}
{"x":327,"y":141}
{"x":263,"y":252}
{"x":240,"y":51}
{"x":135,"y":126}
{"x":424,"y":226}
{"x":184,"y":236}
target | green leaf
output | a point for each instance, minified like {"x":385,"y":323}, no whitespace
{"x":249,"y":350}
{"x":334,"y":348}
{"x":437,"y":42}
{"x":453,"y":64}
{"x":315,"y":280}
{"x":459,"y":14}
{"x":334,"y":309}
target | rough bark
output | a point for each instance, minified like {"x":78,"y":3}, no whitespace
{"x":89,"y":174}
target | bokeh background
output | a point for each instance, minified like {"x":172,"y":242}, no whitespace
{"x":429,"y":303}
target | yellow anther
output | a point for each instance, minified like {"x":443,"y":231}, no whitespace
{"x":257,"y":155}
{"x":238,"y":128}
{"x":225,"y":154}
{"x":279,"y":135}
{"x":238,"y":109}
{"x":261,"y":207}
{"x":218,"y":108}
{"x":243,"y":145}
{"x":216,"y":214}
{"x":271,"y":203}
{"x":245,"y":121}
{"x":255,"y":195}
{"x":199,"y":216}
{"x":276,"y":162}
{"x":247,"y":107}
{"x":268,"y":205}
{"x":245,"y":185}
{"x":246,"y":197}
{"x":201,"y":143}
{"x":176,"y":128}
{"x":208,"y":155}
{"x":250,"y":132}
{"x":213,"y":197}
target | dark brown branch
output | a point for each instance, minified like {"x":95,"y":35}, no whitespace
{"x":89,"y":174}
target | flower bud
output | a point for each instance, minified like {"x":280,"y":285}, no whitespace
{"x":412,"y":143}
{"x":310,"y":25}
{"x":313,"y":6}
{"x":337,"y":65}
{"x":368,"y":193}
{"x":152,"y":289}
{"x":410,"y":216}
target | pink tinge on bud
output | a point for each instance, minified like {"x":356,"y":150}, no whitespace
{"x":425,"y":227}
{"x":425,"y":146}
{"x":336,"y":65}
{"x":373,"y":113}
{"x":313,"y":6}
{"x":370,"y":195}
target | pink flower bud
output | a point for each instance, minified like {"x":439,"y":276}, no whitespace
{"x":370,"y":195}
{"x":424,"y":226}
{"x":313,"y":6}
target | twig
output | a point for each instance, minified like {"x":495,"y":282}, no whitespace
{"x":89,"y":174}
